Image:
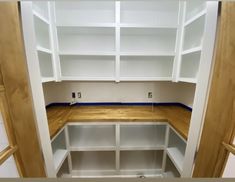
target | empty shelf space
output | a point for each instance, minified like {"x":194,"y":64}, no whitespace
{"x":92,"y":137}
{"x":139,"y":137}
{"x":194,"y":18}
{"x":45,"y":63}
{"x":64,"y":169}
{"x":59,"y":156}
{"x":42,"y":33}
{"x":177,"y":157}
{"x":74,"y":13}
{"x":190,"y":65}
{"x":194,"y":32}
{"x":40,"y":9}
{"x":93,"y":161}
{"x":170,"y":170}
{"x":194,"y":8}
{"x":146,"y":67}
{"x":176,"y":149}
{"x":147,"y":40}
{"x":86,"y":39}
{"x":87,"y":67}
{"x":141,"y":160}
{"x":150,"y":12}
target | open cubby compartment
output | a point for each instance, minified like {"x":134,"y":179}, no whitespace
{"x":146,"y":67}
{"x":64,"y":170}
{"x":193,"y":34}
{"x":85,"y":12}
{"x":148,"y":40}
{"x":59,"y":149}
{"x":142,"y":136}
{"x":41,"y":8}
{"x":42,"y":33}
{"x":45,"y":63}
{"x":92,"y":137}
{"x":194,"y":7}
{"x":141,"y":161}
{"x":158,"y":13}
{"x":190,"y":65}
{"x":93,"y":161}
{"x":176,"y":149}
{"x":88,"y":67}
{"x":170,"y":169}
{"x":86,"y":40}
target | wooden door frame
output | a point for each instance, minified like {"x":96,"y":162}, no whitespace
{"x":219,"y":124}
{"x":15,"y":79}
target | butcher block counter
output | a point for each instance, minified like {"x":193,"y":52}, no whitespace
{"x":177,"y":116}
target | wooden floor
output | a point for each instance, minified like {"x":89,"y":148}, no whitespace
{"x":177,"y":116}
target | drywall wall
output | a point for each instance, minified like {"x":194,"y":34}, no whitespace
{"x":120,"y":92}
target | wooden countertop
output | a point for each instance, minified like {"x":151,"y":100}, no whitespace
{"x":178,"y":117}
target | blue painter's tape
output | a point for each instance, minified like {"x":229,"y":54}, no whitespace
{"x":121,"y":104}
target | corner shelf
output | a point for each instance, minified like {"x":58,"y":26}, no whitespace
{"x":145,"y":78}
{"x":192,"y":50}
{"x":194,"y":18}
{"x":43,"y":49}
{"x":36,"y":14}
{"x":136,"y":25}
{"x":176,"y":157}
{"x":188,"y":80}
{"x":155,"y":54}
{"x":59,"y":157}
{"x":47,"y":79}
{"x":88,"y":25}
{"x":87,"y":53}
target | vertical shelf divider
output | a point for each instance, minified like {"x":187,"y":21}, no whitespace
{"x":117,"y":39}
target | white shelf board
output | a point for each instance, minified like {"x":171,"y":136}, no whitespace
{"x":192,"y":50}
{"x":188,"y":80}
{"x":147,"y":54}
{"x":145,"y":78}
{"x":95,"y":148}
{"x":90,"y":25}
{"x":47,"y":79}
{"x":194,"y":18}
{"x":67,"y":53}
{"x":59,"y":157}
{"x":65,"y":78}
{"x":133,"y":25}
{"x":176,"y":157}
{"x":43,"y":49}
{"x":134,"y":148}
{"x":36,"y":14}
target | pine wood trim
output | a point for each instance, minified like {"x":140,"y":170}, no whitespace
{"x":219,"y":124}
{"x":229,"y":147}
{"x":14,"y":76}
{"x":6,"y":153}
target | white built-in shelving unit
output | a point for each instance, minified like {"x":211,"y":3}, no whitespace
{"x":120,"y":40}
{"x":42,"y":27}
{"x":192,"y":39}
{"x":124,"y":149}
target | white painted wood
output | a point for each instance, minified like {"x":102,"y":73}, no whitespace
{"x":159,"y":13}
{"x":83,"y":66}
{"x":202,"y":89}
{"x":141,"y":160}
{"x":137,"y":137}
{"x":138,"y":25}
{"x":117,"y":40}
{"x":80,"y":12}
{"x":117,"y":135}
{"x":192,"y":50}
{"x":149,"y":54}
{"x":87,"y":161}
{"x":170,"y":171}
{"x":36,"y":86}
{"x":88,"y":25}
{"x":194,"y":8}
{"x":146,"y":67}
{"x":40,"y":17}
{"x":67,"y":142}
{"x":147,"y":40}
{"x":176,"y":157}
{"x":45,"y":50}
{"x":188,"y":80}
{"x":197,"y":16}
{"x":47,"y":79}
{"x":92,"y":137}
{"x":40,"y":8}
{"x":59,"y":157}
{"x":164,"y":160}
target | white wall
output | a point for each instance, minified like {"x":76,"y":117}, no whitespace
{"x":120,"y":92}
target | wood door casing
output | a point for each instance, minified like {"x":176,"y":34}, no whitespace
{"x":219,"y":121}
{"x":15,"y":79}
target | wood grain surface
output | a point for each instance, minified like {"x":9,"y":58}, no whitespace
{"x":177,"y":116}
